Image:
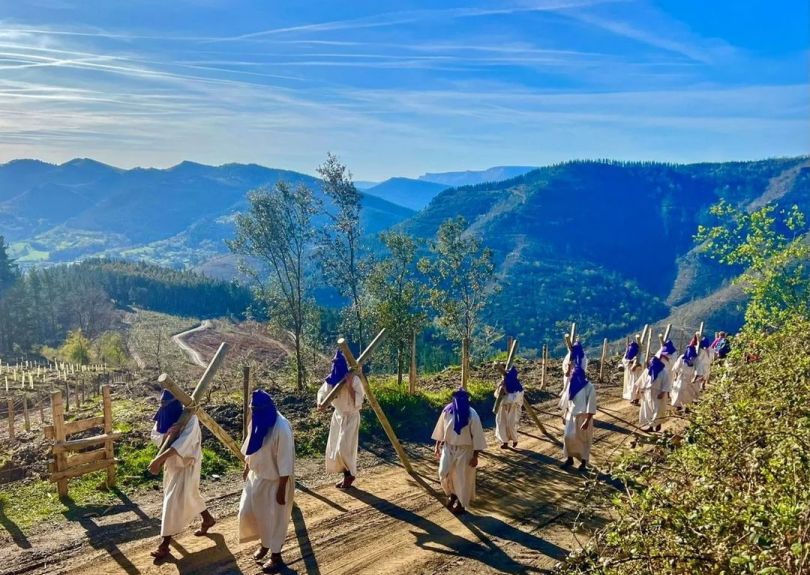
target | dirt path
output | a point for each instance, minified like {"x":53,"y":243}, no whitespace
{"x":391,"y":523}
{"x":191,"y":353}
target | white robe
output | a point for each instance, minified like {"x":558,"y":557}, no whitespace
{"x":341,"y":447}
{"x":455,"y":474}
{"x":703,"y":366}
{"x":653,"y":410}
{"x":576,"y":442}
{"x":182,"y":500}
{"x":507,"y":420}
{"x":260,"y":516}
{"x":685,"y":389}
{"x":629,"y":391}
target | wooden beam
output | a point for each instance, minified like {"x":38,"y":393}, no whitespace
{"x":543,"y":367}
{"x":465,"y":366}
{"x":106,"y":404}
{"x":204,"y":418}
{"x":389,"y":431}
{"x":87,"y":457}
{"x":81,"y":470}
{"x":602,"y":362}
{"x":361,"y":361}
{"x":245,"y":399}
{"x":59,"y":435}
{"x":76,"y":426}
{"x":573,"y":334}
{"x":78,"y":444}
{"x":509,"y":359}
{"x":699,"y":335}
{"x":667,"y":331}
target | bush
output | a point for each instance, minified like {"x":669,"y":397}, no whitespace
{"x":734,"y":497}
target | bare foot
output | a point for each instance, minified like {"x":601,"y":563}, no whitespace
{"x":161,"y":552}
{"x":260,"y":553}
{"x":206,"y":525}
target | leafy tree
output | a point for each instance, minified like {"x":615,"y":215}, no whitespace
{"x":773,"y":249}
{"x":343,"y":262}
{"x":76,"y":348}
{"x":459,"y":274}
{"x":273,"y":239}
{"x":111,"y":349}
{"x":397,"y":295}
{"x":8,"y":269}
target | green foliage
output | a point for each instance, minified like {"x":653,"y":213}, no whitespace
{"x":459,"y":273}
{"x":111,"y":349}
{"x":774,"y":254}
{"x":8,"y":269}
{"x":397,"y":295}
{"x":273,"y":239}
{"x":733,"y":498}
{"x":76,"y":348}
{"x":341,"y":253}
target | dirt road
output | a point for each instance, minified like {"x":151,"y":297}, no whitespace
{"x":391,"y":523}
{"x":190,"y":352}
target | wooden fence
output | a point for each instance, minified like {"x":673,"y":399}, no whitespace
{"x":82,"y":461}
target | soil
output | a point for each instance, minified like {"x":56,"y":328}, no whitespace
{"x":521,"y":522}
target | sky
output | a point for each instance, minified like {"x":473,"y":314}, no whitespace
{"x":403,"y":88}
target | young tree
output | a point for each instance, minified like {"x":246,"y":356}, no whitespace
{"x":397,"y":294}
{"x":459,"y":274}
{"x":76,"y":348}
{"x":111,"y":349}
{"x":774,"y":253}
{"x":8,"y":269}
{"x":343,"y":263}
{"x":273,"y":239}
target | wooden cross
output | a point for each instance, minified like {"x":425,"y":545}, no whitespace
{"x":699,"y":335}
{"x":191,"y":405}
{"x":355,"y":367}
{"x":504,"y":369}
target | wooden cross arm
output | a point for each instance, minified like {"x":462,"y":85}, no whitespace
{"x":353,"y":368}
{"x":204,"y":418}
{"x":667,"y":331}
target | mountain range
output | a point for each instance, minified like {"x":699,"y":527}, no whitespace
{"x":607,"y":244}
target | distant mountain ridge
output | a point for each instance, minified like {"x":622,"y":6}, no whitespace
{"x":177,"y":216}
{"x":413,"y":194}
{"x":472,"y":177}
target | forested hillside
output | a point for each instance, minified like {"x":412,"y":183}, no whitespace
{"x":609,"y":244}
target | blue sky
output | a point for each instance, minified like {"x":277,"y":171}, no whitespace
{"x":402,"y":88}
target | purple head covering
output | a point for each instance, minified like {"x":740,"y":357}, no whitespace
{"x":668,"y":347}
{"x":578,"y":354}
{"x":460,"y":408}
{"x":339,"y":369}
{"x":264,"y":418}
{"x":511,"y":381}
{"x":632,"y":350}
{"x":705,"y":343}
{"x":689,"y":355}
{"x":169,"y":411}
{"x":656,"y":366}
{"x":578,"y":381}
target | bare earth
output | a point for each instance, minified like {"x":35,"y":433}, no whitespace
{"x":390,"y":523}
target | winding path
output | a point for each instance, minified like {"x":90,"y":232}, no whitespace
{"x":190,"y":352}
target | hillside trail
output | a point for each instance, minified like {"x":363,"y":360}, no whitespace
{"x":393,"y":523}
{"x":192,"y":354}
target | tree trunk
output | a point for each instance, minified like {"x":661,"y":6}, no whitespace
{"x":299,"y":359}
{"x":400,"y":363}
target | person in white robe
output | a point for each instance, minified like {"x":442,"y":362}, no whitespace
{"x":684,"y":389}
{"x":344,"y":430}
{"x":703,"y":363}
{"x":631,"y":369}
{"x":578,"y":412}
{"x":267,"y":498}
{"x":459,"y":438}
{"x":181,"y":464}
{"x":574,"y":358}
{"x":655,"y":387}
{"x":507,"y":419}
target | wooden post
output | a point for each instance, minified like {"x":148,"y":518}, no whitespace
{"x":67,"y":395}
{"x":245,"y":400}
{"x":41,"y":412}
{"x":60,"y":459}
{"x":109,"y":455}
{"x":699,"y":336}
{"x":602,"y":363}
{"x":11,"y":417}
{"x":508,"y":343}
{"x":412,"y":371}
{"x":573,"y":334}
{"x":509,"y":359}
{"x":26,"y":419}
{"x":389,"y":431}
{"x":649,"y":342}
{"x":543,"y":367}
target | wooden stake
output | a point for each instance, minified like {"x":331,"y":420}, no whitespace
{"x":389,"y":431}
{"x":67,"y":396}
{"x":245,"y":399}
{"x":667,"y":331}
{"x":465,"y":364}
{"x":602,"y":363}
{"x":543,"y":367}
{"x":60,"y":459}
{"x":649,"y":341}
{"x":26,"y":420}
{"x":109,"y":454}
{"x":11,"y":417}
{"x":412,"y":372}
{"x":41,"y":411}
